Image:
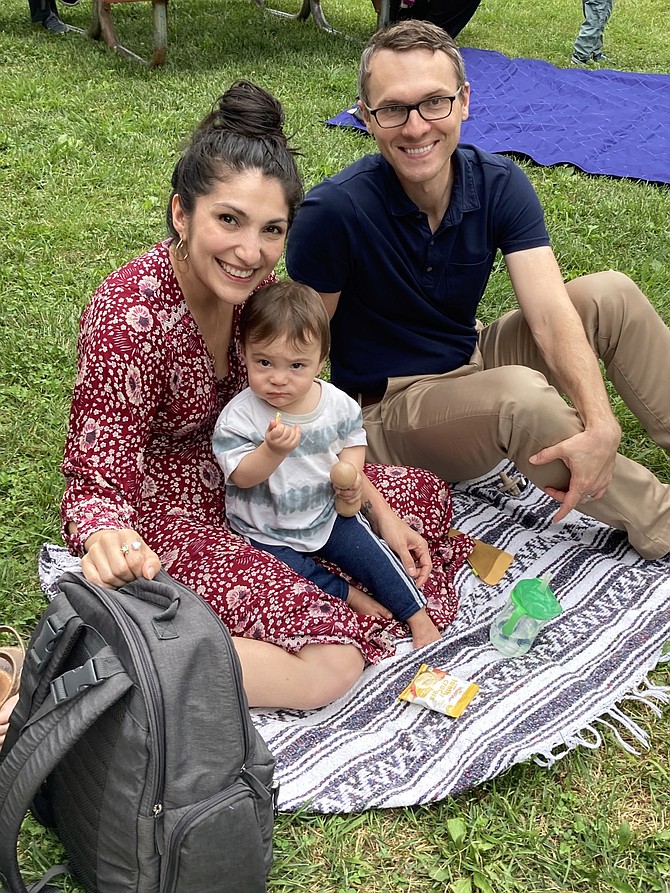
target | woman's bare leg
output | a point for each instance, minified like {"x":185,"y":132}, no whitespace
{"x":313,"y":677}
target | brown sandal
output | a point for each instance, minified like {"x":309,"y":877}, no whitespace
{"x":11,"y":664}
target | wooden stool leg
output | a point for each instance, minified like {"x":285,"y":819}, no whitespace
{"x":304,"y":12}
{"x":95,"y":30}
{"x":308,"y":7}
{"x":106,"y":25}
{"x":160,"y":33}
{"x":383,"y":13}
{"x":102,"y":26}
{"x":317,"y":14}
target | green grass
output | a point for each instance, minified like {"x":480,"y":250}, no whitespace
{"x":87,"y":143}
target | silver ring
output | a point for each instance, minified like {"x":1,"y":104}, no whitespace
{"x":586,"y":497}
{"x":136,"y":545}
{"x":125,"y":548}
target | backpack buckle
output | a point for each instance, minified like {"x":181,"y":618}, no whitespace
{"x":73,"y":681}
{"x":46,"y":642}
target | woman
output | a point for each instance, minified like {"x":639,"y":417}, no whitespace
{"x":158,"y":358}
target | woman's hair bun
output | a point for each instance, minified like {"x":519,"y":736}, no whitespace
{"x":243,"y":132}
{"x":247,"y":110}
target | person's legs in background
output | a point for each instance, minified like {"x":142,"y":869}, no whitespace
{"x":45,"y":12}
{"x":588,"y":44}
{"x":452,"y":15}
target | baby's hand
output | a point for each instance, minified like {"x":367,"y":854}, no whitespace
{"x":352,"y":494}
{"x":282,"y":438}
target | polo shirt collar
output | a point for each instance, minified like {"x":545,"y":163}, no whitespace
{"x":463,"y":195}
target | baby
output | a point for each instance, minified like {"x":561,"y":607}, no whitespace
{"x":277,"y":442}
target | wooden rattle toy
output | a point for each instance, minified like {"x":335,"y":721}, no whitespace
{"x":343,"y":474}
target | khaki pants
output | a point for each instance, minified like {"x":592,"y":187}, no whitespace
{"x":503,"y":405}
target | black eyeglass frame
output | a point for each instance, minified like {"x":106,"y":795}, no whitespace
{"x":411,"y":108}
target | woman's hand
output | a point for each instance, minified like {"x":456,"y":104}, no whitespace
{"x":115,"y":557}
{"x":410,"y":547}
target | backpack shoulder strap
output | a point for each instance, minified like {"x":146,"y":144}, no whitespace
{"x":76,"y":700}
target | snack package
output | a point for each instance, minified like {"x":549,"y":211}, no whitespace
{"x":437,"y":690}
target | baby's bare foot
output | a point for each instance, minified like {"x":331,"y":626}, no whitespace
{"x":364,"y":604}
{"x":423,"y":629}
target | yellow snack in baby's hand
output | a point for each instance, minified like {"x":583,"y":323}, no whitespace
{"x":437,"y":690}
{"x":277,"y":418}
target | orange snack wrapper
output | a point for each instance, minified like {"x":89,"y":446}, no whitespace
{"x":438,"y":690}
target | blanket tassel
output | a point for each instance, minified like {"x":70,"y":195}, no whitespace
{"x":614,"y":719}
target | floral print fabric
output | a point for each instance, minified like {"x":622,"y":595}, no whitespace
{"x":138,"y":454}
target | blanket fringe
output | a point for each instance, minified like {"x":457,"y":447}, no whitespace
{"x":617,"y":721}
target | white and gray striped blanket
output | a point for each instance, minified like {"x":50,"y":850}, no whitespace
{"x":370,"y":750}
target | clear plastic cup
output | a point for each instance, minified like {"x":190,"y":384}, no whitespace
{"x":531,"y":604}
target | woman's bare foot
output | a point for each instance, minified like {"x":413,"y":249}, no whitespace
{"x":364,"y":604}
{"x":423,"y":629}
{"x":5,"y":713}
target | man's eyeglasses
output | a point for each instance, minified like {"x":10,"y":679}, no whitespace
{"x":433,"y":109}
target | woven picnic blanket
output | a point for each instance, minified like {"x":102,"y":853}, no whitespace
{"x":370,"y":750}
{"x":604,"y":122}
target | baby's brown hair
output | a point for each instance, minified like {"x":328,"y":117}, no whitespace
{"x":286,"y":309}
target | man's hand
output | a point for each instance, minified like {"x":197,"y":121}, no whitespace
{"x":589,"y":457}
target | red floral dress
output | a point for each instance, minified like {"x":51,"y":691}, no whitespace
{"x":138,"y":454}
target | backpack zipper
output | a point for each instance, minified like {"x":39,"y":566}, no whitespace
{"x":154,"y":700}
{"x":187,"y":819}
{"x":244,"y":774}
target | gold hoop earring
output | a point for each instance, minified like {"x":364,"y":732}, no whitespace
{"x":182,"y":247}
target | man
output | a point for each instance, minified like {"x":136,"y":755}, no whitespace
{"x":400,"y":246}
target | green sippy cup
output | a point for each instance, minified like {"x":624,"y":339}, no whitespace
{"x":531,"y":604}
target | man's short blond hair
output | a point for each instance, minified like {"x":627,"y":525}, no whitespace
{"x":411,"y":34}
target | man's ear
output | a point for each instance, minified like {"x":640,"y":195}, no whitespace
{"x":465,"y":101}
{"x":362,"y":114}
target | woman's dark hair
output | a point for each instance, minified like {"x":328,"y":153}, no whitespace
{"x":244,"y":131}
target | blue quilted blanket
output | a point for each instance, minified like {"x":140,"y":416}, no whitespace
{"x":605,"y":122}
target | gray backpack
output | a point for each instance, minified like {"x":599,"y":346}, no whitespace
{"x":132,"y":737}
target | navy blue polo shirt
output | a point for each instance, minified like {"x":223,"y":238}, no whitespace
{"x":409,"y":296}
